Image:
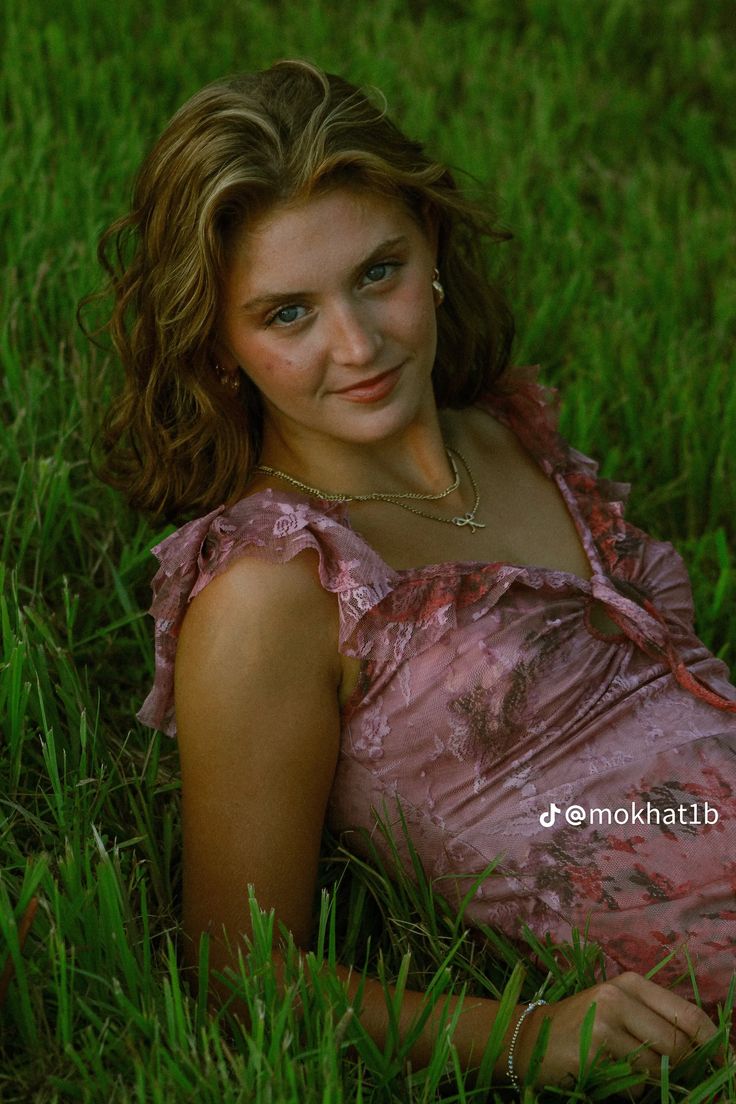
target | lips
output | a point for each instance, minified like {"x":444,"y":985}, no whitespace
{"x":372,"y":389}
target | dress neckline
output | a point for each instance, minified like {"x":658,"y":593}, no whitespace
{"x":551,"y":461}
{"x":583,"y":532}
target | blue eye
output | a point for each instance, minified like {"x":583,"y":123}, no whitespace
{"x":285,"y":316}
{"x":378,"y":272}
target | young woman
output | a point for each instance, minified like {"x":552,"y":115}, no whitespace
{"x":401,"y":588}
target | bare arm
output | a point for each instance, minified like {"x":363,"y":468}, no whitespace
{"x":257,"y":683}
{"x":257,"y":676}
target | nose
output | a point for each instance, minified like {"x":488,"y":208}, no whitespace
{"x":354,"y":336}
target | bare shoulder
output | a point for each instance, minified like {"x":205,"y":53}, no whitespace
{"x":264,"y":621}
{"x":251,"y":586}
{"x":260,"y":630}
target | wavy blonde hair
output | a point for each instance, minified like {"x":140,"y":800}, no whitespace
{"x":175,"y":441}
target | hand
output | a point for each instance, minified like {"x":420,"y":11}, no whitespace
{"x":629,"y":1011}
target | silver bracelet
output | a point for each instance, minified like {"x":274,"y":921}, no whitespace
{"x":510,"y":1060}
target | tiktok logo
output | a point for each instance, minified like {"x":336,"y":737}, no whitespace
{"x":547,"y":819}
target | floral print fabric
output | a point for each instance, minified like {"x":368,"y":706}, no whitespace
{"x":488,"y":699}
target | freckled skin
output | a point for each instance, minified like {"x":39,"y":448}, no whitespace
{"x":361,"y":311}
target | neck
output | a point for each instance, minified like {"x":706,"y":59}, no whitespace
{"x":414,"y":460}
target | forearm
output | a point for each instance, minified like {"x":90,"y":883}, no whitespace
{"x":473,"y":1016}
{"x":472,"y":1029}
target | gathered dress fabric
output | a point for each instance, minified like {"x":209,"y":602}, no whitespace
{"x":489,"y":705}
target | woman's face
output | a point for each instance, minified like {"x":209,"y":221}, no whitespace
{"x":329,"y":309}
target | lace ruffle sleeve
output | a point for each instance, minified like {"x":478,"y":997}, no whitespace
{"x":272,"y":528}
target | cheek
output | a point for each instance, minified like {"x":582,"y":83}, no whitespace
{"x":279,"y":375}
{"x":414,"y":310}
{"x":418,"y":320}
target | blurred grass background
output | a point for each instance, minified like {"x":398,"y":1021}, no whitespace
{"x":604,"y":133}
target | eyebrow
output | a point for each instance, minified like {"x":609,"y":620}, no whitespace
{"x":270,"y":298}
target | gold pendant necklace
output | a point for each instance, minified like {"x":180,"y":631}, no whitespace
{"x":394,"y":497}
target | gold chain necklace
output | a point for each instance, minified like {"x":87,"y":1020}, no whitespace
{"x":394,"y":497}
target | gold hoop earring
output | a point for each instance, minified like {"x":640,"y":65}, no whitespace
{"x":229,"y":380}
{"x":439,"y":291}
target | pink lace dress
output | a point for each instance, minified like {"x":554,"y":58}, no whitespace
{"x":599,"y":769}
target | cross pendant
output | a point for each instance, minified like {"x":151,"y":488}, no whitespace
{"x":468,"y":519}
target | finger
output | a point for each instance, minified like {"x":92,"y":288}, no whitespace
{"x":682,"y":1014}
{"x":620,"y":1043}
{"x":659,"y":1034}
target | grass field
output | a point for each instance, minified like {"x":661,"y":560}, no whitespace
{"x":605,"y":133}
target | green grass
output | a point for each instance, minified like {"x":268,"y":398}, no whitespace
{"x":605,"y":130}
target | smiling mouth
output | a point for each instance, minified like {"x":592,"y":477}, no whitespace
{"x":371,"y":387}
